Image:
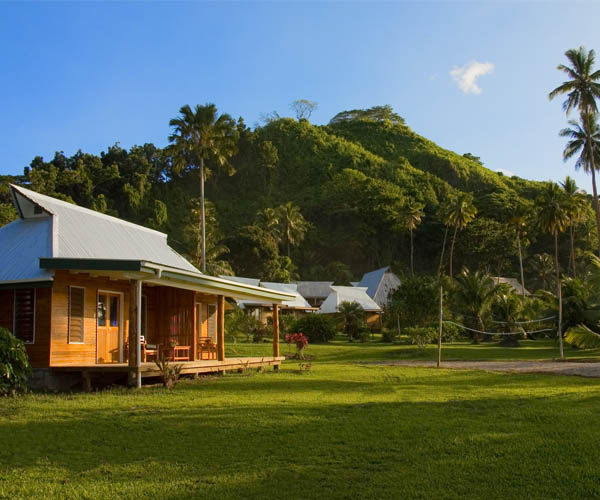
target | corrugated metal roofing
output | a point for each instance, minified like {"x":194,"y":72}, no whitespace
{"x":238,"y":279}
{"x":341,"y":294}
{"x":314,"y":289}
{"x":22,"y":243}
{"x":380,"y":284}
{"x":81,"y":233}
{"x":299,"y":301}
{"x":514,"y":283}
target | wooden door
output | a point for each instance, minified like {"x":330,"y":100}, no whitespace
{"x":109,"y":327}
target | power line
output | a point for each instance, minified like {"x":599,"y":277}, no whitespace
{"x":497,"y":333}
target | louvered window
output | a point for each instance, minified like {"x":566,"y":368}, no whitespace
{"x":25,"y":315}
{"x":212,"y":322}
{"x":76,"y":314}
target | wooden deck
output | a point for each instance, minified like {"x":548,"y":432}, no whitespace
{"x":150,"y":369}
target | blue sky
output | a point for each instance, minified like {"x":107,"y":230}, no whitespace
{"x":86,"y":75}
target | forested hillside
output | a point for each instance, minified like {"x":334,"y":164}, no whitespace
{"x":351,"y":180}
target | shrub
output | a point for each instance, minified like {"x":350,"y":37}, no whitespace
{"x":14,"y":364}
{"x":389,"y":335}
{"x":317,"y":327}
{"x":239,"y":323}
{"x":169,"y":372}
{"x":421,"y":336}
{"x":300,"y":340}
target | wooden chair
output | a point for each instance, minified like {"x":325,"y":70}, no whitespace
{"x":207,"y":349}
{"x":149,"y":350}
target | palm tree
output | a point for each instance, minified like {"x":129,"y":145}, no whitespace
{"x":352,"y":316}
{"x":553,"y":218}
{"x":412,"y":215}
{"x":585,"y":140}
{"x":460,"y":213}
{"x":200,"y":135}
{"x":583,"y":87}
{"x":518,"y":223}
{"x":292,"y":225}
{"x":576,"y":204}
{"x":268,"y":219}
{"x":474,"y":296}
{"x":542,"y":268}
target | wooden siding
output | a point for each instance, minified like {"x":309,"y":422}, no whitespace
{"x":39,"y":351}
{"x":62,"y":352}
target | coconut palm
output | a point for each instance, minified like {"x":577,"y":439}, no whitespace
{"x":201,"y":135}
{"x":269,"y":220}
{"x":352,"y":316}
{"x":292,"y":225}
{"x":541,"y":266}
{"x":460,"y":212}
{"x":518,"y":224}
{"x":576,"y":204}
{"x":412,"y":216}
{"x":585,"y":141}
{"x":553,"y":218}
{"x":473,"y":297}
{"x":583,"y":86}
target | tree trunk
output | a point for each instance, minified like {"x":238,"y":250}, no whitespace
{"x":202,"y":215}
{"x":559,"y":292}
{"x":572,"y":256}
{"x":412,"y":272}
{"x":521,"y":265}
{"x":452,"y":250}
{"x":443,"y":249}
{"x":595,"y":199}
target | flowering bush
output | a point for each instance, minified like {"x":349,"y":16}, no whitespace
{"x":299,"y":339}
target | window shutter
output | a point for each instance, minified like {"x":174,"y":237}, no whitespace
{"x":25,"y":315}
{"x":76,"y":314}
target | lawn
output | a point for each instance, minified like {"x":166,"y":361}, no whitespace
{"x":342,"y":430}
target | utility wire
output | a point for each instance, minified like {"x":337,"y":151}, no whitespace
{"x":497,"y":333}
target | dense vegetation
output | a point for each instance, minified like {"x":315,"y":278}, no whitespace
{"x":354,"y":183}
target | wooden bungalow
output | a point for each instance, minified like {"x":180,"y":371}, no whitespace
{"x":356,"y":294}
{"x":95,"y":296}
{"x":263,"y":310}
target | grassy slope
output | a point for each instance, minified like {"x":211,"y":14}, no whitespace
{"x":340,"y":431}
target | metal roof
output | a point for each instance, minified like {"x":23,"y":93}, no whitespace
{"x":52,"y":234}
{"x":299,"y":302}
{"x":22,"y":243}
{"x":380,"y":284}
{"x":514,"y":283}
{"x":80,"y":233}
{"x":341,"y":294}
{"x":314,"y":289}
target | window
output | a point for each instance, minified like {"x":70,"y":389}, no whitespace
{"x":212,"y":322}
{"x":24,"y":321}
{"x":76,"y":314}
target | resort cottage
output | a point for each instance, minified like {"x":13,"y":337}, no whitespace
{"x":96,"y":297}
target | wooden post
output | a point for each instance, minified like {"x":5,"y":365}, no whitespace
{"x":135,"y":327}
{"x":276,"y":330}
{"x":220,"y":327}
{"x":194,"y":329}
{"x":439,"y":359}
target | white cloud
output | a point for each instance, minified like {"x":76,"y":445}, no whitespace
{"x":467,"y":75}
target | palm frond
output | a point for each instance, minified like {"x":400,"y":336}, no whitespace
{"x":581,"y":336}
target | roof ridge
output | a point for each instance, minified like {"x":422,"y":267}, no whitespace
{"x":32,"y":195}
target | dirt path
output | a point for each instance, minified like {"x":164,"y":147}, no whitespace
{"x":591,"y":370}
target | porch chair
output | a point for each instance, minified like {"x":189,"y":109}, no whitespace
{"x":148,"y":349}
{"x":207,"y":349}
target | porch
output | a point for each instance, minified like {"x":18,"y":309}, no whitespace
{"x":150,"y":369}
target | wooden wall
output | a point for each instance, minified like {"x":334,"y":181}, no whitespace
{"x":39,"y":351}
{"x":63,"y":353}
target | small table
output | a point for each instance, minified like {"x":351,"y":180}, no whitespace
{"x":180,"y":353}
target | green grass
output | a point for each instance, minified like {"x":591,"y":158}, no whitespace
{"x":342,"y":351}
{"x":342,"y":431}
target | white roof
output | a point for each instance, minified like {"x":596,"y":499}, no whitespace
{"x":380,"y":284}
{"x":341,"y":294}
{"x":315,"y":289}
{"x":299,"y":301}
{"x":80,"y":233}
